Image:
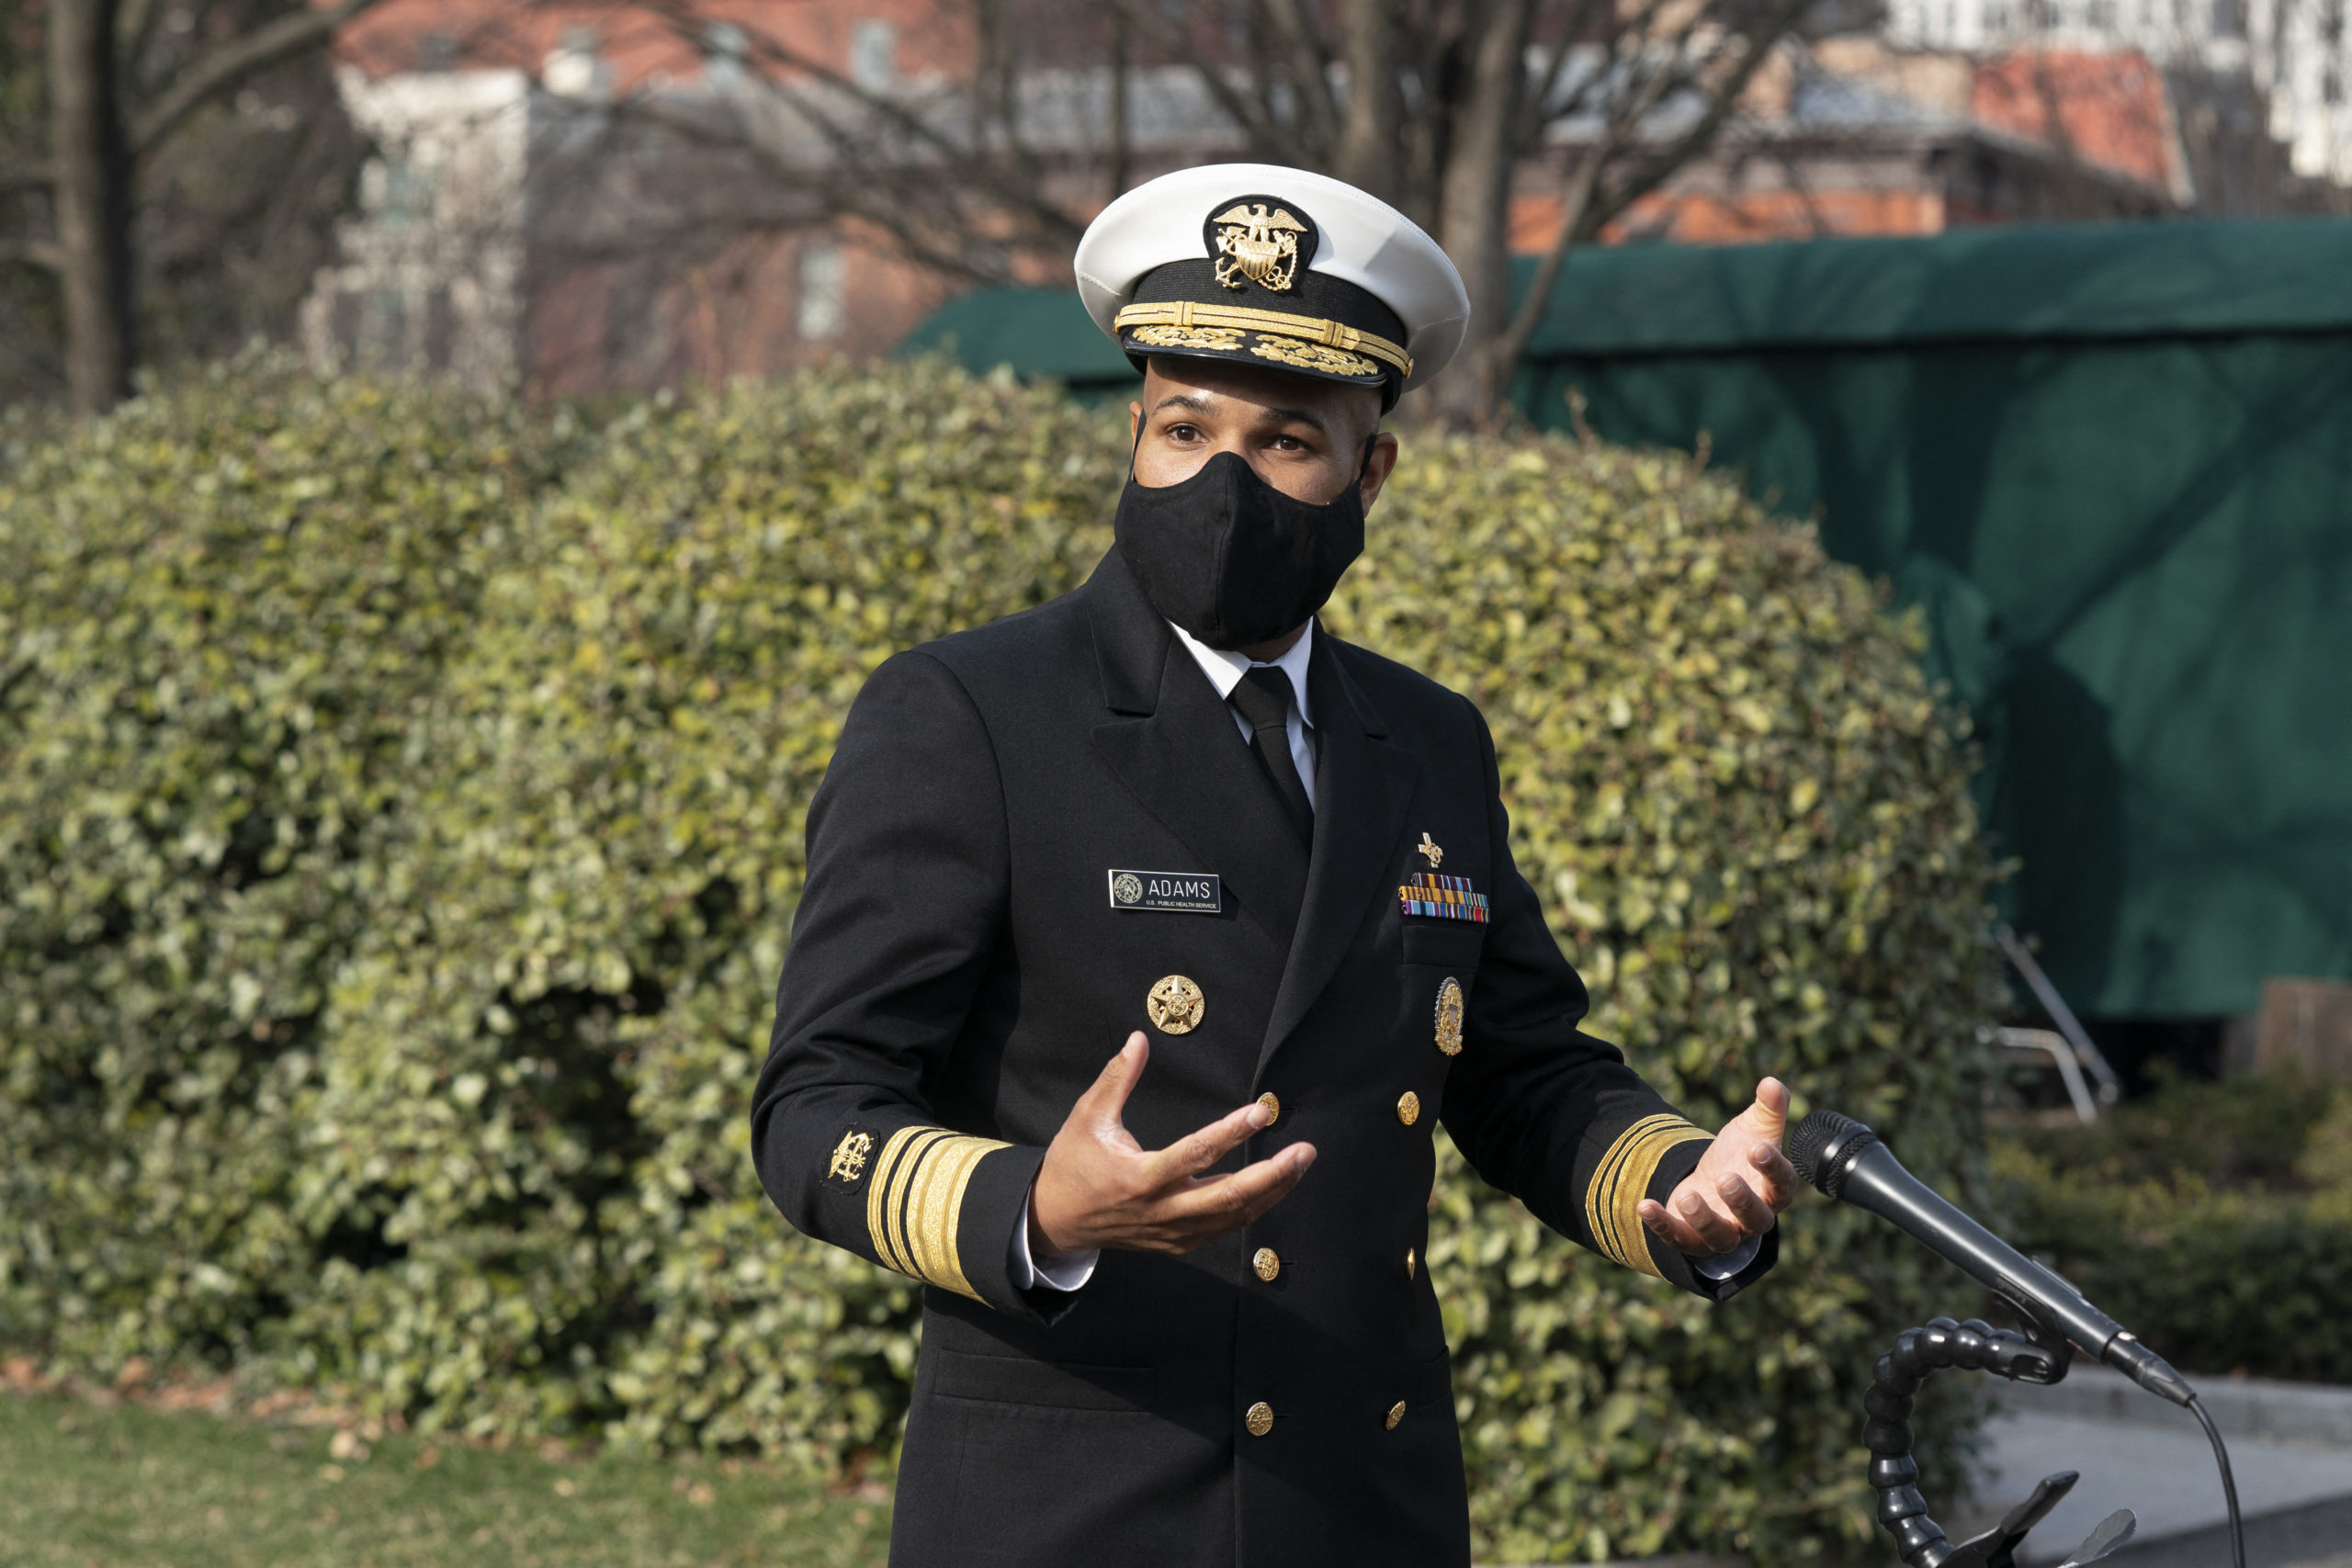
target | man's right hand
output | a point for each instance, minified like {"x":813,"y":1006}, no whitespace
{"x":1100,"y":1188}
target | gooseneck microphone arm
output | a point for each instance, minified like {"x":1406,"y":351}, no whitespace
{"x":1846,"y":1162}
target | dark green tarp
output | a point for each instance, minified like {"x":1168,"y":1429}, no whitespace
{"x":2112,"y":464}
{"x":1038,"y":332}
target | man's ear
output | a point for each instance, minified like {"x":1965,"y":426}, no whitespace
{"x":1136,"y":405}
{"x":1378,"y":464}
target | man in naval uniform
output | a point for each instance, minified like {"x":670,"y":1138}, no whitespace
{"x":1176,"y":1308}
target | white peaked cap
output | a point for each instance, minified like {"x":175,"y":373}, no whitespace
{"x":1359,"y":240}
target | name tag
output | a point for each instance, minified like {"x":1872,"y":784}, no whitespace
{"x":1169,"y":892}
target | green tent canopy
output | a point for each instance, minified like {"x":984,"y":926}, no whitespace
{"x":1040,"y":333}
{"x":2111,"y":464}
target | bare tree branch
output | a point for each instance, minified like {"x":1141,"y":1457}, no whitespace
{"x":1646,"y":69}
{"x":1257,"y":124}
{"x":1538,"y":111}
{"x":1440,"y":102}
{"x":44,"y":253}
{"x":234,"y":62}
{"x":135,"y":25}
{"x":33,"y":174}
{"x":968,"y":165}
{"x":1261,"y":82}
{"x":1308,"y":66}
{"x":1122,"y":155}
{"x":997,"y":109}
{"x":1574,"y":203}
{"x":1759,"y":38}
{"x":1364,"y":156}
{"x":892,"y":205}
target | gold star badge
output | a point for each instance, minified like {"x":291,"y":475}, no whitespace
{"x":1175,"y":1005}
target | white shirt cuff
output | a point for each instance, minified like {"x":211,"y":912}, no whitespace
{"x":1071,"y":1269}
{"x":1721,"y":1266}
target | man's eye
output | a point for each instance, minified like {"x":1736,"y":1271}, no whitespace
{"x":1182,"y":432}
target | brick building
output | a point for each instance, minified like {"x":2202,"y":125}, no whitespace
{"x":596,"y":197}
{"x":514,"y":227}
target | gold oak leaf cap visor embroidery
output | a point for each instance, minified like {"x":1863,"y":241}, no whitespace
{"x":1275,"y":267}
{"x":914,"y":1200}
{"x":1612,"y":1202}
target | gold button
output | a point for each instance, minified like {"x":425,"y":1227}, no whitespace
{"x":1411,"y":1262}
{"x":1395,"y":1414}
{"x":1261,"y":1419}
{"x":1274,"y":1107}
{"x":1408,"y":1108}
{"x":1175,"y":1005}
{"x":1268,"y":1264}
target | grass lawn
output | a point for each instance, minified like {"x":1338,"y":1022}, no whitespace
{"x":127,"y":1487}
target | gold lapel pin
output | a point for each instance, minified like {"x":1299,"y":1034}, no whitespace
{"x":1175,"y":1005}
{"x":1429,"y":847}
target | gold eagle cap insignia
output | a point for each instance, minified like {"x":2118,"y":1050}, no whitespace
{"x":1256,"y":246}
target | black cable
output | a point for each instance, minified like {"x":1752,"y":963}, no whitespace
{"x":2229,"y":1484}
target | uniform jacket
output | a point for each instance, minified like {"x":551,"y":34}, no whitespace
{"x":959,"y":974}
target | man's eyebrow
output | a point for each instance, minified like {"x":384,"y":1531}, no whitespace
{"x":1280,"y":416}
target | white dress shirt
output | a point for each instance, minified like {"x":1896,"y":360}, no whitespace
{"x":1224,"y":670}
{"x":1067,"y":1272}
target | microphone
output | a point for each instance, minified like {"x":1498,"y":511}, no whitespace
{"x":1846,"y":1162}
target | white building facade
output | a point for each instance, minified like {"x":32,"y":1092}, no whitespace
{"x":430,"y":275}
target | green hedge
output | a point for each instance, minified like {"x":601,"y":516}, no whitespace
{"x":2215,"y":1218}
{"x":220,"y":613}
{"x":401,"y":802}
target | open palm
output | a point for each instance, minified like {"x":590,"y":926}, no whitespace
{"x":1741,"y":1185}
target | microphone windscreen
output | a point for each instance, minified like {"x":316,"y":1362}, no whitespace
{"x":1812,"y":1142}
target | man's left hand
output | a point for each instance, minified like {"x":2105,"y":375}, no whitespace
{"x":1742,"y":1183}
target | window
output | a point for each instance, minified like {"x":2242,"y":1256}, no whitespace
{"x":824,"y":272}
{"x":725,"y":48}
{"x":873,"y":53}
{"x":573,"y":68}
{"x":395,"y":190}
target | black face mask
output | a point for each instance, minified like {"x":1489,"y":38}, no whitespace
{"x":1232,"y":560}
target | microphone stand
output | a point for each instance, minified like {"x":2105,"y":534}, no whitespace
{"x":1825,"y":1148}
{"x":2036,"y":1356}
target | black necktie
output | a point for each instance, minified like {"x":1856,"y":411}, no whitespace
{"x":1263,"y":697}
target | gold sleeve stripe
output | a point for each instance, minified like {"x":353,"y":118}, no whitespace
{"x":914,"y":1200}
{"x":935,"y":1203}
{"x":1612,"y":1202}
{"x":881,"y":1207}
{"x":1313,"y":329}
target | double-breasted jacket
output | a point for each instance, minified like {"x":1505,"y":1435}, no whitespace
{"x":965,"y":959}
